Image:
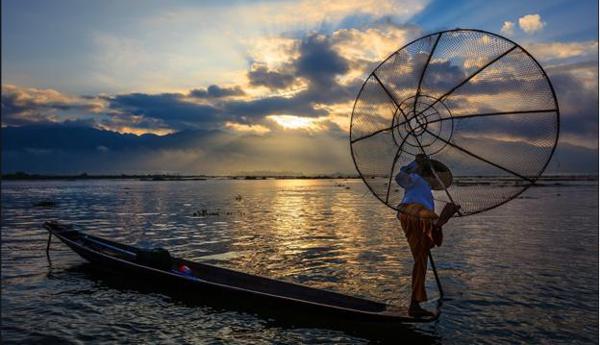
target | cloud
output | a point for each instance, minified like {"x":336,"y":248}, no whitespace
{"x":372,"y":43}
{"x":309,"y":14}
{"x":272,"y":52}
{"x":318,"y":62}
{"x":254,"y":110}
{"x":168,"y":50}
{"x":256,"y":129}
{"x":172,"y":108}
{"x":312,"y":69}
{"x":23,"y":106}
{"x":315,"y":62}
{"x":215,"y":91}
{"x":576,"y":89}
{"x":309,"y":124}
{"x":304,"y":87}
{"x":548,"y":51}
{"x":531,"y":23}
{"x":134,"y":124}
{"x":262,"y":76}
{"x":508,"y":28}
{"x":577,"y":92}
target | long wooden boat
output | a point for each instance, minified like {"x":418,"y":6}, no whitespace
{"x":157,"y":267}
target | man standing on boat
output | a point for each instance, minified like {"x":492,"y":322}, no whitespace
{"x":422,"y":227}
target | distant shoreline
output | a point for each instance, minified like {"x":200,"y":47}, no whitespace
{"x":166,"y":177}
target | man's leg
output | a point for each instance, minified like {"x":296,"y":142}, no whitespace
{"x":419,"y":272}
{"x":419,"y":294}
{"x":419,"y":245}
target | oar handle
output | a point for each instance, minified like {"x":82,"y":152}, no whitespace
{"x":49,"y":239}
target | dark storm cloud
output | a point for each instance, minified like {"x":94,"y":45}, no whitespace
{"x":262,"y":76}
{"x":172,"y":108}
{"x":318,"y":62}
{"x":215,"y":91}
{"x":246,"y":110}
{"x":332,"y":94}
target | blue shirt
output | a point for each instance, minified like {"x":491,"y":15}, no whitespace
{"x":416,"y":188}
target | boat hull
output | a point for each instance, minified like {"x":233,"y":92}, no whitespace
{"x":237,"y":290}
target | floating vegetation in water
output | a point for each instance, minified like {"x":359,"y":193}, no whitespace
{"x":204,"y":213}
{"x":342,"y":185}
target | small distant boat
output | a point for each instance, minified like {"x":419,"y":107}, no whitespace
{"x":157,"y":267}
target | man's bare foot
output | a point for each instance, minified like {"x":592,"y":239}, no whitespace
{"x":415,"y":310}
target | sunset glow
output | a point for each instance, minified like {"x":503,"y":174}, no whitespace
{"x":293,"y":122}
{"x":217,"y":81}
{"x":257,"y":129}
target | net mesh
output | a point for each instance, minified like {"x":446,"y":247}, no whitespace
{"x":473,"y":100}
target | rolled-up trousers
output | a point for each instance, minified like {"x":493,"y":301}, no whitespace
{"x":417,"y":223}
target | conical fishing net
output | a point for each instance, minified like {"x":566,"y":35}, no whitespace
{"x":472,"y":100}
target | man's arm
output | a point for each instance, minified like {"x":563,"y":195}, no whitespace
{"x":448,"y":211}
{"x":403,"y":177}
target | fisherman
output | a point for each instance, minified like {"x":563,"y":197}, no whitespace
{"x":422,"y":227}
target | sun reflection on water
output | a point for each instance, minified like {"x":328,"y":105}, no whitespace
{"x":324,"y":233}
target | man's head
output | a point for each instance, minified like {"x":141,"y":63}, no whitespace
{"x":423,"y":169}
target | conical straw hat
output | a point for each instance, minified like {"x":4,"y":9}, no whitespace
{"x":443,"y":173}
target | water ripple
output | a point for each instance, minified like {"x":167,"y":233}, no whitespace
{"x":522,"y":273}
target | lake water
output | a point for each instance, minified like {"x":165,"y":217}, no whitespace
{"x":526,"y":272}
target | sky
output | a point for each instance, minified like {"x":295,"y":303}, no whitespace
{"x":237,"y":87}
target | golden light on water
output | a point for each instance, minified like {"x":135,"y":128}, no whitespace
{"x":319,"y":224}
